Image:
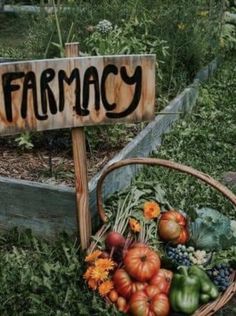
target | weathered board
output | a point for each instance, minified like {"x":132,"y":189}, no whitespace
{"x":76,"y":91}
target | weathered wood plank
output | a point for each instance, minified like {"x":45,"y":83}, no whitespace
{"x":77,"y":91}
{"x":81,"y":172}
{"x":45,"y":209}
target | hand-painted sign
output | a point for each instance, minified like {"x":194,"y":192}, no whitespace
{"x":78,"y":91}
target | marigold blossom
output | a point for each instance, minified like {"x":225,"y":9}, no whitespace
{"x":99,"y":274}
{"x":105,"y":264}
{"x":88,"y":272}
{"x":93,"y":256}
{"x":134,"y":225}
{"x":151,"y":210}
{"x":105,"y":287}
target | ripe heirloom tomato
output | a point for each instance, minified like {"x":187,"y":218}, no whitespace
{"x":143,"y":303}
{"x":169,"y":229}
{"x":122,"y":283}
{"x":175,"y":216}
{"x":183,"y":237}
{"x":141,"y":263}
{"x":162,"y":280}
{"x":138,"y":286}
{"x":152,"y":290}
{"x":173,"y":227}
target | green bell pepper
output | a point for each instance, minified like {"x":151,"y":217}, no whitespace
{"x":207,"y":286}
{"x":185,"y":292}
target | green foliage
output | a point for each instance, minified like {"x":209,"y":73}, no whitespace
{"x":38,"y":278}
{"x":228,"y":37}
{"x":24,"y":141}
{"x":205,"y":140}
{"x":105,"y":137}
{"x":131,"y":37}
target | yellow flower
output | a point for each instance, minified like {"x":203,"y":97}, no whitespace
{"x":99,"y":274}
{"x":151,"y":210}
{"x":92,"y":284}
{"x":93,"y":256}
{"x":181,"y":26}
{"x":134,"y":225}
{"x":88,"y":272}
{"x":105,"y":287}
{"x":105,"y":264}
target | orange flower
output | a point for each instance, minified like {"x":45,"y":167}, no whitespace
{"x":99,"y":274}
{"x":134,"y":225}
{"x":151,"y":210}
{"x":92,"y":284}
{"x":88,"y":273}
{"x":105,"y":264}
{"x":105,"y":287}
{"x":93,"y":256}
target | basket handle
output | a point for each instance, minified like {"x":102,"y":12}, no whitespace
{"x":164,"y":163}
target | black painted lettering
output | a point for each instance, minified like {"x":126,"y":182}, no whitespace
{"x":91,"y":77}
{"x":62,"y":77}
{"x":135,"y":79}
{"x":109,"y":69}
{"x":47,"y":96}
{"x":30,"y":84}
{"x":8,"y":88}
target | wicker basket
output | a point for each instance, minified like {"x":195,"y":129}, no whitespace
{"x":204,"y":310}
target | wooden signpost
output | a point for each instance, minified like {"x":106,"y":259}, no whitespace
{"x":74,"y":92}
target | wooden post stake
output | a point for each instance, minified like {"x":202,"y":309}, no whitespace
{"x":81,"y":177}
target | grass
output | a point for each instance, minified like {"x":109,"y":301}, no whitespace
{"x":42,"y":278}
{"x":13,"y":30}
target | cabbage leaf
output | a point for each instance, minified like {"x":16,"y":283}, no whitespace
{"x":211,"y":230}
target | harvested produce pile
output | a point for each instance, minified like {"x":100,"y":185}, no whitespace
{"x":150,"y":259}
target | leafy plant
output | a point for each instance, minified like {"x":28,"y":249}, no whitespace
{"x":211,"y":230}
{"x":24,"y":141}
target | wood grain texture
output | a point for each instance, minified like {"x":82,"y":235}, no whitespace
{"x":81,"y":172}
{"x":45,"y":209}
{"x":63,"y":93}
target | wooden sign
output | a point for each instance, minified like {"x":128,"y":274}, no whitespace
{"x":76,"y":91}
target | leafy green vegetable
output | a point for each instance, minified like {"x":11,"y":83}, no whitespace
{"x":224,"y":256}
{"x":211,"y":230}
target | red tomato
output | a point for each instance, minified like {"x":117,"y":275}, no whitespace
{"x":152,"y":290}
{"x":175,"y":216}
{"x":138,"y":286}
{"x":141,"y":263}
{"x":143,"y":303}
{"x":162,"y":280}
{"x":122,"y":282}
{"x":169,"y":229}
{"x":183,"y":237}
{"x":173,"y":227}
